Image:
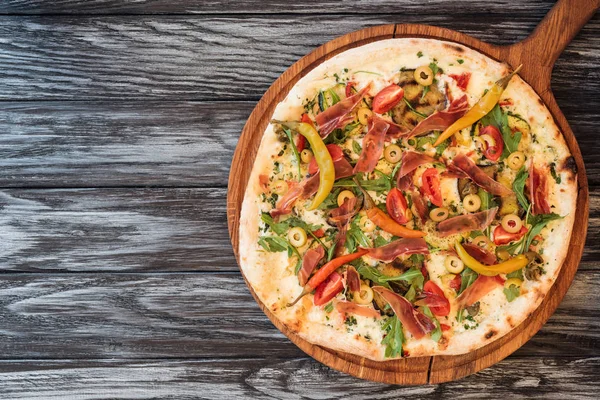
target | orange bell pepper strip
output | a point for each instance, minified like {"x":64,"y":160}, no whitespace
{"x":384,"y":221}
{"x":487,"y":102}
{"x":326,"y":270}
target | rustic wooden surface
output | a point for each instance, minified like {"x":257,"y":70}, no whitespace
{"x":118,"y":123}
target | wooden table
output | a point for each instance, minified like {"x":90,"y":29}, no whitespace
{"x":118,"y":122}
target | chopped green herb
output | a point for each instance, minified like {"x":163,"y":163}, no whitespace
{"x":329,"y":307}
{"x":420,"y":54}
{"x":554,"y":174}
{"x":356,"y":147}
{"x":512,"y":292}
{"x":460,"y":61}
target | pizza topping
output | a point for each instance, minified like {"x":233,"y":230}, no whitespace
{"x":405,"y":246}
{"x":478,"y":175}
{"x":472,"y":203}
{"x":435,"y":299}
{"x":431,"y":186}
{"x":415,"y":322}
{"x":387,"y":98}
{"x":439,"y":214}
{"x":442,"y":119}
{"x":454,"y":265}
{"x":309,"y":261}
{"x":420,"y":205}
{"x":328,"y":289}
{"x":341,"y":217}
{"x":505,"y":267}
{"x":538,"y":191}
{"x":396,"y":206}
{"x":338,"y":115}
{"x":411,"y":160}
{"x":346,"y":307}
{"x":306,"y":155}
{"x":501,"y":236}
{"x":372,"y":145}
{"x":344,"y":194}
{"x":364,"y":295}
{"x":492,"y":142}
{"x":424,"y":75}
{"x":479,"y":253}
{"x":392,"y":153}
{"x":297,"y":236}
{"x":382,"y":220}
{"x":467,"y":223}
{"x":462,"y":80}
{"x":480,"y":109}
{"x":352,"y":279}
{"x":516,"y":160}
{"x":482,"y":286}
{"x":336,"y":154}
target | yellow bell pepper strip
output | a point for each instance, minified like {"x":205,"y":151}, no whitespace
{"x":322,"y":156}
{"x":480,"y":109}
{"x":385,"y":222}
{"x":505,"y":267}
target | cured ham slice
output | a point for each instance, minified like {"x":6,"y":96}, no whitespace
{"x":538,"y":191}
{"x":337,"y":116}
{"x":467,"y":223}
{"x":346,"y":307}
{"x":411,"y":160}
{"x":482,"y":255}
{"x":307,"y":188}
{"x":372,"y":145}
{"x":462,"y":80}
{"x":309,"y":262}
{"x":352,"y":279}
{"x":482,"y":286}
{"x":406,"y":246}
{"x":420,"y":205}
{"x":440,"y":120}
{"x":413,"y":320}
{"x":395,"y":131}
{"x":477,"y":175}
{"x":341,"y":217}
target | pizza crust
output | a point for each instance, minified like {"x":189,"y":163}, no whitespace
{"x":271,"y":275}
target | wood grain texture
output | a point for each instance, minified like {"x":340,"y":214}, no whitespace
{"x":268,"y":378}
{"x":114,"y":230}
{"x":191,"y":315}
{"x":547,"y":46}
{"x":120,"y":7}
{"x":185,"y":58}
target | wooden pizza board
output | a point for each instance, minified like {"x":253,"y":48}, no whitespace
{"x":537,"y":53}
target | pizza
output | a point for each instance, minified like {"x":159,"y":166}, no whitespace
{"x":410,"y":197}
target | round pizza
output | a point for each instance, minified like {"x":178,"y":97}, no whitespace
{"x":410,"y":197}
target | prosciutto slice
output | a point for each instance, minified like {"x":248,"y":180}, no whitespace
{"x":372,"y":145}
{"x":482,"y":286}
{"x":395,"y":131}
{"x":337,"y":116}
{"x":467,"y":223}
{"x":538,"y":191}
{"x":420,"y":205}
{"x":482,"y":255}
{"x":440,"y":120}
{"x":307,"y":188}
{"x":411,"y":160}
{"x":413,"y":320}
{"x":346,"y":307}
{"x":341,"y":216}
{"x":352,"y":279}
{"x":309,"y":262}
{"x":398,"y":247}
{"x":477,"y":175}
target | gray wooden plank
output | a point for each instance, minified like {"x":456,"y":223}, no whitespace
{"x":191,"y":58}
{"x":136,"y":230}
{"x":167,"y":144}
{"x":76,"y":316}
{"x":78,"y":7}
{"x":297,"y":378}
{"x":115,"y":230}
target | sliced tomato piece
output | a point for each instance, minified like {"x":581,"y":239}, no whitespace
{"x":396,"y":206}
{"x":319,"y":233}
{"x":387,"y":98}
{"x":349,"y":89}
{"x":336,"y":153}
{"x":503,"y":237}
{"x":433,"y":292}
{"x":445,"y":327}
{"x":494,"y":143}
{"x":301,"y":140}
{"x":462,"y":80}
{"x":431,"y":186}
{"x":328,"y":289}
{"x":456,"y":283}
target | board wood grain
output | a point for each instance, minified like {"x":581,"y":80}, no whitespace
{"x":191,"y":315}
{"x":537,"y":54}
{"x":201,"y":58}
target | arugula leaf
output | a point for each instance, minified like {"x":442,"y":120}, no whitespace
{"x":487,"y":200}
{"x":411,"y":293}
{"x":515,"y":274}
{"x":412,"y":109}
{"x":512,"y":292}
{"x":273,"y":244}
{"x":330,"y":201}
{"x":355,"y":236}
{"x":538,"y":222}
{"x":468,"y":276}
{"x":379,"y":241}
{"x":411,"y":276}
{"x":499,"y":119}
{"x":279,"y":228}
{"x":372,"y":274}
{"x":334,"y":96}
{"x":380,"y":184}
{"x":295,"y":151}
{"x":394,"y":338}
{"x":356,"y":147}
{"x":519,"y":187}
{"x":436,"y":334}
